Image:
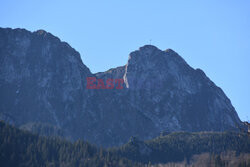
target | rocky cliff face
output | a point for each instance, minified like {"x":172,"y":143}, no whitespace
{"x":174,"y":95}
{"x":43,"y":81}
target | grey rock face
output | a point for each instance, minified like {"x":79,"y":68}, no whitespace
{"x":174,"y":95}
{"x":43,"y":81}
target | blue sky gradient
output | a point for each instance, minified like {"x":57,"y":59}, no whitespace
{"x":211,"y":35}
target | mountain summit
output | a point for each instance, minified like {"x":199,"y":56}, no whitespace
{"x":43,"y":82}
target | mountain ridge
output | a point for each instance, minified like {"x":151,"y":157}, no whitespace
{"x":44,"y":80}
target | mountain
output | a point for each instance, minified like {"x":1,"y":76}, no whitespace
{"x":174,"y":95}
{"x":41,"y":79}
{"x":43,"y":84}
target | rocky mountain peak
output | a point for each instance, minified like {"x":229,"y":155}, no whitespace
{"x":144,"y":52}
{"x":148,"y":48}
{"x":150,"y":64}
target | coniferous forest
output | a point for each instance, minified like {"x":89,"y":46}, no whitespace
{"x":21,"y":148}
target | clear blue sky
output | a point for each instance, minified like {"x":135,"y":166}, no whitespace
{"x":212,"y":35}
